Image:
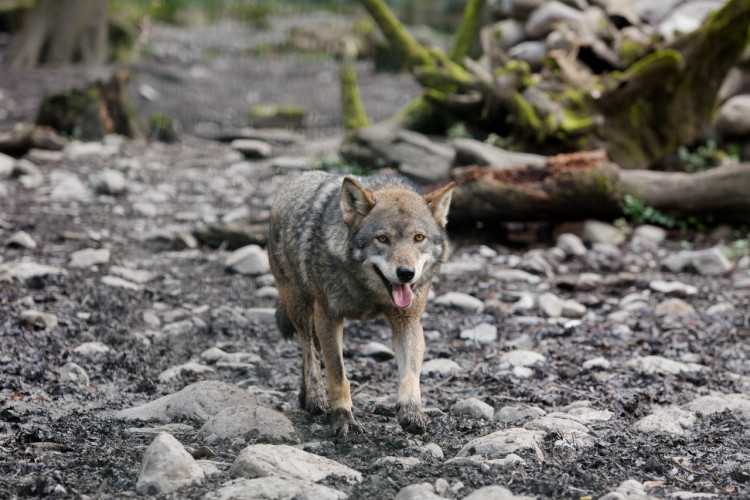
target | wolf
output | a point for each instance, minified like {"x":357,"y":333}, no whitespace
{"x":356,"y":247}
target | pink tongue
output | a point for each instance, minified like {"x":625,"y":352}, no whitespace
{"x":402,"y":294}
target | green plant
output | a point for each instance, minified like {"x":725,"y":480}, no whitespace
{"x":706,"y":156}
{"x":636,"y":210}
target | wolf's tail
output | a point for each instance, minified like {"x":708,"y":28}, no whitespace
{"x":283,"y":322}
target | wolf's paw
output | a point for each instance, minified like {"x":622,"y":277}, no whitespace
{"x":412,"y":418}
{"x":316,"y":403}
{"x":343,"y":422}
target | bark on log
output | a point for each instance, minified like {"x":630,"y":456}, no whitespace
{"x":587,"y":185}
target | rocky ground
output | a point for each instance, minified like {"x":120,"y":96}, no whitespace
{"x":135,"y":359}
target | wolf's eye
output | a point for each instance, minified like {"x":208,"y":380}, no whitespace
{"x":382,"y":238}
{"x":419,"y":237}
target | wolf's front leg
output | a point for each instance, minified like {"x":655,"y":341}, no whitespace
{"x":331,"y":335}
{"x":408,"y":342}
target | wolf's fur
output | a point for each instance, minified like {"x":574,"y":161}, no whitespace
{"x":356,"y":247}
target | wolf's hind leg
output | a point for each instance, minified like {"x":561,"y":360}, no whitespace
{"x":312,"y":394}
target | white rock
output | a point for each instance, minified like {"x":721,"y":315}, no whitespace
{"x":267,"y":292}
{"x":6,"y":165}
{"x":133,"y":275}
{"x":191,"y":368}
{"x":666,"y":421}
{"x":248,"y":422}
{"x":600,"y":232}
{"x":599,"y":363}
{"x":462,"y":267}
{"x":573,"y":309}
{"x":73,"y":373}
{"x":260,"y":460}
{"x":587,"y":415}
{"x":252,"y":148}
{"x":720,"y":308}
{"x":77,"y":150}
{"x":148,"y":92}
{"x":571,"y":244}
{"x":708,"y":262}
{"x":250,"y":260}
{"x":460,"y":301}
{"x":91,"y":349}
{"x":28,"y":270}
{"x":495,"y":492}
{"x":440,"y":366}
{"x":117,"y":282}
{"x":89,"y":257}
{"x":38,"y":319}
{"x":503,"y":442}
{"x":522,"y":358}
{"x":144,"y":209}
{"x":708,"y":405}
{"x":483,"y":333}
{"x":273,"y":488}
{"x":661,"y":365}
{"x":22,"y":239}
{"x":403,"y":462}
{"x":550,"y":305}
{"x":418,"y":491}
{"x":66,"y":186}
{"x":199,"y":401}
{"x":629,"y":489}
{"x":673,"y":288}
{"x":674,"y":307}
{"x":647,"y":237}
{"x":515,"y":276}
{"x":108,"y":181}
{"x":573,"y":433}
{"x":512,"y":414}
{"x":167,"y":466}
{"x":548,"y":15}
{"x":474,"y":408}
{"x":378,"y":351}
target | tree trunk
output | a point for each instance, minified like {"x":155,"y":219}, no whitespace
{"x":62,"y":32}
{"x":352,"y":108}
{"x":586,"y":185}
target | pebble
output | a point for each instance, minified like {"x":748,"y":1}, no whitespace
{"x":22,"y":239}
{"x":132,"y":275}
{"x":89,"y":257}
{"x":647,"y":237}
{"x":109,"y":181}
{"x":503,"y":442}
{"x":250,"y":260}
{"x":441,"y":367}
{"x":513,"y":414}
{"x":91,"y":349}
{"x":600,"y":232}
{"x":666,"y":421}
{"x":571,"y":244}
{"x":252,"y":149}
{"x":708,"y":262}
{"x":521,"y":357}
{"x":273,"y":487}
{"x":378,"y":351}
{"x":461,"y":301}
{"x":66,"y":186}
{"x":737,"y":403}
{"x":630,"y":489}
{"x":404,"y":463}
{"x":550,"y":305}
{"x":282,"y":460}
{"x":676,"y":288}
{"x":117,"y":282}
{"x":462,"y":267}
{"x":598,"y":363}
{"x":674,"y":307}
{"x":418,"y":491}
{"x":27,"y":270}
{"x":38,"y":319}
{"x":661,"y":365}
{"x":189,"y":369}
{"x":515,"y":276}
{"x":248,"y":423}
{"x":483,"y":333}
{"x":73,"y":373}
{"x":720,"y":308}
{"x":496,"y":492}
{"x":167,"y":466}
{"x":474,"y":408}
{"x":267,"y":292}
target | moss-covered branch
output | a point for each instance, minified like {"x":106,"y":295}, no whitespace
{"x":355,"y":116}
{"x":467,"y":32}
{"x":396,"y":34}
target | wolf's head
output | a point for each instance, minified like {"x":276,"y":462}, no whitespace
{"x":397,"y":234}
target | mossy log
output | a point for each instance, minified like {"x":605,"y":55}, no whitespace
{"x":664,"y":99}
{"x":355,"y":116}
{"x":89,"y":114}
{"x":587,"y":185}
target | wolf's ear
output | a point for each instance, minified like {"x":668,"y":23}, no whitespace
{"x":356,"y":201}
{"x":439,"y":201}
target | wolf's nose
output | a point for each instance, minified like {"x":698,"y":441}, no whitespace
{"x":405,"y":273}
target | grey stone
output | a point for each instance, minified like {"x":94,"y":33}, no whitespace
{"x":513,"y":414}
{"x":144,"y":209}
{"x":274,"y":488}
{"x":661,"y":365}
{"x":89,"y":257}
{"x":77,"y":150}
{"x":474,"y":152}
{"x":250,"y":260}
{"x":600,"y":232}
{"x":26,"y":270}
{"x":571,"y":244}
{"x":598,"y":363}
{"x":708,"y":262}
{"x":676,"y":288}
{"x":378,"y":351}
{"x":462,"y":267}
{"x":74,"y":374}
{"x":550,"y":305}
{"x":191,"y":369}
{"x":287,"y":163}
{"x":741,"y":281}
{"x":571,"y":432}
{"x":521,"y":357}
{"x":403,"y":462}
{"x":631,"y":489}
{"x":515,"y":276}
{"x":167,"y":466}
{"x":474,"y":408}
{"x":503,"y":442}
{"x":252,"y":148}
{"x":109,"y":181}
{"x":267,"y":292}
{"x":483,"y":333}
{"x":22,"y":239}
{"x":441,"y":366}
{"x":91,"y":349}
{"x":66,"y":186}
{"x":418,"y":491}
{"x":503,"y":34}
{"x":28,"y":174}
{"x":531,"y":52}
{"x":133,"y":275}
{"x":38,"y":319}
{"x":496,"y":492}
{"x":716,"y":403}
{"x":666,"y":421}
{"x":572,"y":309}
{"x":248,"y":422}
{"x":261,"y":460}
{"x":6,"y":165}
{"x":674,"y":307}
{"x":720,"y":308}
{"x":647,"y":237}
{"x":117,"y":282}
{"x":460,"y":301}
{"x":198,"y":401}
{"x":148,"y":92}
{"x":548,"y":15}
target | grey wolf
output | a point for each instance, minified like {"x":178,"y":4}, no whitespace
{"x":356,"y":247}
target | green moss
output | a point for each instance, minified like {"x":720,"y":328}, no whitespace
{"x":467,"y":32}
{"x":355,"y":116}
{"x":162,"y":128}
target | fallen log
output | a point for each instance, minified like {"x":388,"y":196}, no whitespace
{"x":587,"y":185}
